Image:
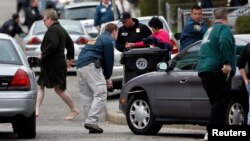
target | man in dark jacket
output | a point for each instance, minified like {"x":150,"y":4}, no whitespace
{"x":94,"y":69}
{"x":33,"y":13}
{"x":104,"y":13}
{"x":53,"y":64}
{"x":132,"y":31}
{"x":12,"y":27}
{"x":244,"y":63}
{"x":194,"y":28}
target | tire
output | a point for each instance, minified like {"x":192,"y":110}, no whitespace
{"x":140,"y":118}
{"x":236,"y":112}
{"x":25,"y":127}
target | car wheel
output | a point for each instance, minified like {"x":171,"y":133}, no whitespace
{"x":25,"y":127}
{"x":140,"y":118}
{"x":22,"y":16}
{"x":236,"y":112}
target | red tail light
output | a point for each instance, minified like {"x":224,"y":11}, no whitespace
{"x":82,"y":40}
{"x":34,"y":41}
{"x":175,"y":48}
{"x":20,"y":81}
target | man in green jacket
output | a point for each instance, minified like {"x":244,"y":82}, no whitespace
{"x":217,"y":65}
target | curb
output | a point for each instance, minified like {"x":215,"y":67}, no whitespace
{"x":116,"y":117}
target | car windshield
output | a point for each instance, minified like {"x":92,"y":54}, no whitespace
{"x":80,"y":13}
{"x":72,"y":27}
{"x":188,"y":58}
{"x":8,"y":53}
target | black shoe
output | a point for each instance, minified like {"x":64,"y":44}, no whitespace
{"x":93,"y":128}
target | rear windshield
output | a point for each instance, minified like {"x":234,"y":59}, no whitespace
{"x":8,"y":53}
{"x":80,"y":13}
{"x":72,"y":27}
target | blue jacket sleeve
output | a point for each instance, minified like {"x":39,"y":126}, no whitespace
{"x":108,"y":60}
{"x":97,"y":16}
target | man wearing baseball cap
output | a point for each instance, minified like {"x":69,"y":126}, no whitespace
{"x":131,"y":31}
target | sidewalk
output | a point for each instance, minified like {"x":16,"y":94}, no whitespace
{"x":114,"y":115}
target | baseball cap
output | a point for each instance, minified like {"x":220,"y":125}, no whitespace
{"x":125,"y":16}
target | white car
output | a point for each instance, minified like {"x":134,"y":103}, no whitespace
{"x":33,"y":40}
{"x":84,"y":12}
{"x":18,"y":89}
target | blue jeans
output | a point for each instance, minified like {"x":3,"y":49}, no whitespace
{"x":248,"y":116}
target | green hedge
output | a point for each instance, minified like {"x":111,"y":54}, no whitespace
{"x":243,"y":25}
{"x":148,"y":7}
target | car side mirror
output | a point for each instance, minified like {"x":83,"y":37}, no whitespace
{"x":34,"y":61}
{"x":162,"y":66}
{"x":177,"y":36}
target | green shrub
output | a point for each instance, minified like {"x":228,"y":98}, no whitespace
{"x":148,"y":7}
{"x":243,"y":24}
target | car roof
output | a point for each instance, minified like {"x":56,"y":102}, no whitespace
{"x":149,"y":17}
{"x":4,"y":36}
{"x":240,"y":40}
{"x":81,"y":4}
{"x":141,"y":19}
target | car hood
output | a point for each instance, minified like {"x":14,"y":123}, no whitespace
{"x":141,"y":80}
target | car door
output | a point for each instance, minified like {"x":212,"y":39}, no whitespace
{"x":174,"y":98}
{"x":199,"y":101}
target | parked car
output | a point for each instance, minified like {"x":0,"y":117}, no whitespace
{"x":18,"y":89}
{"x":33,"y":40}
{"x":83,"y":11}
{"x":176,"y":96}
{"x":117,"y":75}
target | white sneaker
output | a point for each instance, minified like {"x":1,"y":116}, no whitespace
{"x":206,"y":137}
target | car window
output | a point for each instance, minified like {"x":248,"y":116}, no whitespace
{"x":80,"y":13}
{"x":39,"y":28}
{"x":72,"y":27}
{"x":8,"y":53}
{"x":187,"y":60}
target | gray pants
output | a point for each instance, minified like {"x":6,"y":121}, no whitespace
{"x":93,"y":89}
